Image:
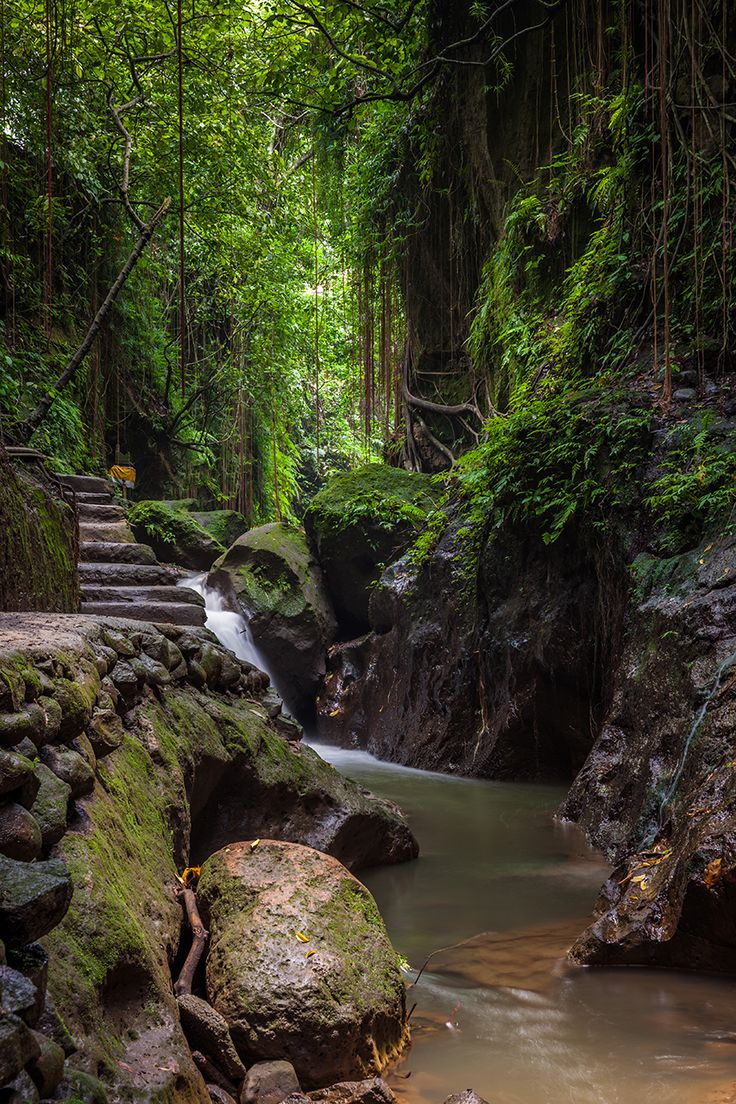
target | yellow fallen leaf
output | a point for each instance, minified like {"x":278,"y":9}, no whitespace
{"x":254,"y":844}
{"x":335,"y":713}
{"x":188,"y":875}
{"x":310,"y":953}
{"x":302,"y":937}
{"x":713,"y":872}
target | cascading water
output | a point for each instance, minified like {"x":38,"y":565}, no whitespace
{"x":230,"y":628}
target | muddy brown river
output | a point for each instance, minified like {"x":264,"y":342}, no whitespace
{"x":501,"y":1012}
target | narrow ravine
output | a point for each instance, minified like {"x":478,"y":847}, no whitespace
{"x":503,"y":1012}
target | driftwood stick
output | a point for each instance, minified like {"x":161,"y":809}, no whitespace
{"x":200,"y":936}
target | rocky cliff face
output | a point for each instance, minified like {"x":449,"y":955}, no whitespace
{"x":658,"y":790}
{"x":487,"y":664}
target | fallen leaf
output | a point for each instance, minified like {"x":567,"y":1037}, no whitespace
{"x":310,"y":953}
{"x":302,"y":937}
{"x":254,"y":844}
{"x":713,"y":872}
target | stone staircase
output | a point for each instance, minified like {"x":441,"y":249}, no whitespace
{"x":118,"y":576}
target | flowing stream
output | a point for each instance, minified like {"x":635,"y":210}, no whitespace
{"x":501,"y":1012}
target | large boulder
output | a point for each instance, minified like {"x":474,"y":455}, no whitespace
{"x":300,"y":964}
{"x":174,"y":534}
{"x":275,"y":579}
{"x":359,"y":522}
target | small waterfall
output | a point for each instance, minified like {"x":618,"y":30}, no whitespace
{"x":694,"y":728}
{"x":230,"y":628}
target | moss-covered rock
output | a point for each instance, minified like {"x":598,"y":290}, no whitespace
{"x":38,"y":541}
{"x":275,"y":579}
{"x":224,"y":526}
{"x":174,"y":534}
{"x":360,"y":521}
{"x":300,"y":964}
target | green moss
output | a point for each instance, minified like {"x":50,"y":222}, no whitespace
{"x":376,"y":496}
{"x":224,"y":526}
{"x":164,"y":525}
{"x":38,"y":556}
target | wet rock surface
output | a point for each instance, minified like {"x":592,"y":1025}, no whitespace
{"x":658,"y":791}
{"x":271,"y":573}
{"x":299,"y":963}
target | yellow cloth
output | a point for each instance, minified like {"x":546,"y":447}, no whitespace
{"x":125,"y":475}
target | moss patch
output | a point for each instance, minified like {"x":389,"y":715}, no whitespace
{"x":38,"y":542}
{"x":174,"y":534}
{"x":374,"y":496}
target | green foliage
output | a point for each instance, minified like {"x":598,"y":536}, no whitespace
{"x":375,"y":495}
{"x":696,"y":494}
{"x":562,"y":456}
{"x":161,"y":523}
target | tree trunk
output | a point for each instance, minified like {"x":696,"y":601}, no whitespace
{"x":28,"y":427}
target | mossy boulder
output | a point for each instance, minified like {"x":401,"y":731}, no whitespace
{"x":38,"y":541}
{"x":273,"y":576}
{"x":224,"y":526}
{"x":300,"y":964}
{"x":359,"y":522}
{"x":174,"y":534}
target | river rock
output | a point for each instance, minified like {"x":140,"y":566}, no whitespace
{"x":51,"y":805}
{"x":21,"y":1091}
{"x":467,"y":1096}
{"x":174,"y":534}
{"x":219,"y":1095}
{"x":47,"y":1070}
{"x":207,"y":1030}
{"x":295,"y":795}
{"x":373,"y":1090}
{"x":105,"y":732}
{"x":18,"y":1046}
{"x":32,"y":962}
{"x":20,"y":835}
{"x":29,"y":723}
{"x":335,"y":1013}
{"x":70,"y":767}
{"x":271,"y":574}
{"x":33,"y":899}
{"x":269,"y":1083}
{"x":15,"y":770}
{"x":18,"y":996}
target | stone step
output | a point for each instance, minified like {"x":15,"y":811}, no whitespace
{"x":118,"y":532}
{"x":94,"y":499}
{"x":88,"y":483}
{"x":141,"y":595}
{"x":160,"y":613}
{"x":126,"y":574}
{"x":117,"y":553}
{"x":96,"y":511}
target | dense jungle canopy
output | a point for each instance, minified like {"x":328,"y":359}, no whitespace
{"x":373,"y":227}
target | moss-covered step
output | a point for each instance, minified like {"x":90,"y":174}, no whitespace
{"x":300,"y":964}
{"x":359,"y":522}
{"x":274,"y":578}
